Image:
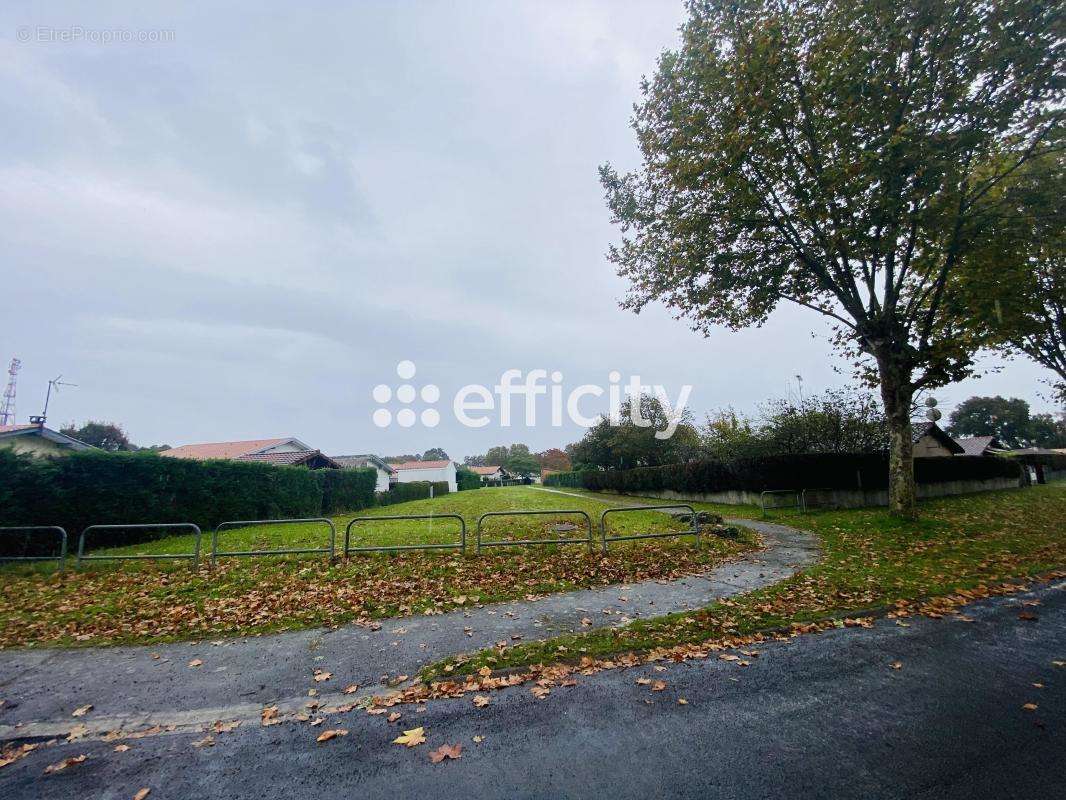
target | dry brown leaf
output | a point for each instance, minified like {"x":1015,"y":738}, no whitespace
{"x":269,"y":716}
{"x":446,"y":751}
{"x":1030,"y":707}
{"x":196,"y":662}
{"x":351,"y":689}
{"x":59,"y":766}
{"x":322,"y":676}
{"x":207,"y":741}
{"x":484,"y":672}
{"x":540,"y":692}
{"x":481,"y":700}
{"x":12,"y":754}
{"x":658,"y":686}
{"x":142,"y":793}
{"x":226,"y":727}
{"x":410,"y":738}
{"x":332,"y":733}
{"x":479,"y":739}
{"x":81,"y":711}
{"x":394,"y":716}
{"x":896,"y":665}
{"x":643,"y":681}
{"x":681,"y":701}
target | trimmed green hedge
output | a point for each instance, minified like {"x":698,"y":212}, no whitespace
{"x":807,"y":471}
{"x":467,"y":479}
{"x":97,"y":488}
{"x":403,"y":492}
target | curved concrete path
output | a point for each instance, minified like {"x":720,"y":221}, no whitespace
{"x":145,"y":686}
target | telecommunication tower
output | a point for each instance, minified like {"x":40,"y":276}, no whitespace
{"x":7,"y":408}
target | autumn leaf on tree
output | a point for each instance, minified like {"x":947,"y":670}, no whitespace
{"x":332,"y":733}
{"x":410,"y":738}
{"x":446,"y":751}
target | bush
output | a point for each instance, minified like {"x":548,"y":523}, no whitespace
{"x":98,"y":488}
{"x":805,"y":471}
{"x":467,"y":479}
{"x":346,"y":489}
{"x":403,"y":492}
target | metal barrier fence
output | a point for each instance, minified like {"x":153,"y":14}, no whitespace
{"x":61,"y":559}
{"x":394,"y":548}
{"x":803,"y":497}
{"x":797,"y":492}
{"x":215,"y":552}
{"x":560,"y":512}
{"x":694,"y":530}
{"x":194,"y":556}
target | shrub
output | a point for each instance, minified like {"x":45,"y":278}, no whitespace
{"x":403,"y":492}
{"x":467,"y":479}
{"x":346,"y":489}
{"x":802,"y":471}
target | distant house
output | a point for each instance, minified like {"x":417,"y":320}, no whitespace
{"x":491,"y":475}
{"x":38,"y":441}
{"x":981,"y":445}
{"x":930,"y":441}
{"x":385,"y":471}
{"x":287,"y":451}
{"x":414,"y":471}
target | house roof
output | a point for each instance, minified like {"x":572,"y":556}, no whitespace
{"x":364,"y":461}
{"x":207,"y":450}
{"x":295,"y":458}
{"x":11,"y":431}
{"x":979,"y":445}
{"x":485,"y":470}
{"x":921,"y":429}
{"x":421,"y":465}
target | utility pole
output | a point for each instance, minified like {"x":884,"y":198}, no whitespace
{"x":53,"y":385}
{"x":7,"y":408}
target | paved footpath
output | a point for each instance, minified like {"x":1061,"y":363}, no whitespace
{"x":819,"y":716}
{"x":144,"y":686}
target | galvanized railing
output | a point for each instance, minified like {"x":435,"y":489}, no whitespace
{"x":61,"y":559}
{"x":395,"y":548}
{"x":694,"y":530}
{"x":797,"y":492}
{"x":525,"y":542}
{"x":194,"y":556}
{"x":247,"y":523}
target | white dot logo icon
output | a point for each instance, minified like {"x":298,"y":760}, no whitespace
{"x":407,"y":394}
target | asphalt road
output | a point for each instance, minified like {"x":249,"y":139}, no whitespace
{"x":818,"y":716}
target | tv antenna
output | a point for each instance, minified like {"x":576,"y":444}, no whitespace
{"x":53,"y":386}
{"x":7,"y":407}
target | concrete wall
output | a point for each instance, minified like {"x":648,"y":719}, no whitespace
{"x":434,"y":475}
{"x":836,"y":498}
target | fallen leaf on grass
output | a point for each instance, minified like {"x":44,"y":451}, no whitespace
{"x":81,"y":711}
{"x":77,"y":732}
{"x":481,"y":700}
{"x":484,"y":672}
{"x":13,"y":754}
{"x":446,"y":751}
{"x":410,"y":738}
{"x":196,"y":662}
{"x":681,"y":701}
{"x":658,"y":686}
{"x":1030,"y":707}
{"x":321,"y":675}
{"x":394,"y":716}
{"x":643,"y":681}
{"x":59,"y":766}
{"x":142,"y":793}
{"x":479,"y":739}
{"x":207,"y":741}
{"x":1038,"y":686}
{"x":269,"y":716}
{"x":121,"y":748}
{"x":332,"y":733}
{"x":226,"y":727}
{"x":351,"y":689}
{"x":896,"y":665}
{"x":540,"y":692}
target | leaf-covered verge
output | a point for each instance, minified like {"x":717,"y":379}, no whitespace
{"x":152,"y":602}
{"x":961,"y":549}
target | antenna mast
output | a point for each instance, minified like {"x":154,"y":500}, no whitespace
{"x":7,"y":408}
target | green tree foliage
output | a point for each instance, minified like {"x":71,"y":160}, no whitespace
{"x":554,"y":459}
{"x":520,"y":461}
{"x":467,"y":479}
{"x":105,"y":435}
{"x":496,"y":456}
{"x":628,"y":444}
{"x":1009,"y":420}
{"x":845,"y":156}
{"x":435,"y":454}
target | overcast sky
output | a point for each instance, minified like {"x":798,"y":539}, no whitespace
{"x":238,"y":233}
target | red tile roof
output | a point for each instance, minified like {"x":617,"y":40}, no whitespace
{"x":207,"y":450}
{"x":422,"y":465}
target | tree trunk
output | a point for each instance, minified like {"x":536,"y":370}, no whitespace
{"x":897,"y":395}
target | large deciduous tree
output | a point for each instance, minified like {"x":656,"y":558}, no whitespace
{"x":843,"y":155}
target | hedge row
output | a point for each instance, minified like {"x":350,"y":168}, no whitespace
{"x":96,"y":488}
{"x":403,"y":492}
{"x":466,"y":479}
{"x":808,"y":471}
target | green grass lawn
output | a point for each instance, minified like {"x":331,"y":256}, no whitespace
{"x":962,"y":544}
{"x":144,"y":601}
